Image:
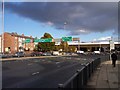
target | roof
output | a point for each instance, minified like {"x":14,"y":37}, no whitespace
{"x":17,"y":35}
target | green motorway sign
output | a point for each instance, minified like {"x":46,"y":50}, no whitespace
{"x":43,"y":40}
{"x":27,"y":40}
{"x":66,"y":39}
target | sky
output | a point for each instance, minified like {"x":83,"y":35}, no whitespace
{"x":85,"y":20}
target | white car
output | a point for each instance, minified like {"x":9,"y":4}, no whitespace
{"x":96,"y":52}
{"x":56,"y":53}
{"x":80,"y":52}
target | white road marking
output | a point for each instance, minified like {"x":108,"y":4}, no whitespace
{"x":57,"y":62}
{"x":35,"y":73}
{"x":29,"y":63}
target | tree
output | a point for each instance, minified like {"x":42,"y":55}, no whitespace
{"x":46,"y":46}
{"x":72,"y":49}
{"x":64,"y":46}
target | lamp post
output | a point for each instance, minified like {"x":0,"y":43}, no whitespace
{"x":79,"y":45}
{"x":2,"y":38}
{"x":64,"y":29}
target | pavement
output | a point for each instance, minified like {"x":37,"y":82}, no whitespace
{"x":106,"y":76}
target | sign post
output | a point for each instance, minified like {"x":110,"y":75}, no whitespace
{"x":112,"y":46}
{"x":65,"y":39}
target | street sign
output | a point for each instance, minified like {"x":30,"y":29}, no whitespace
{"x":36,"y":40}
{"x":76,"y":39}
{"x":66,"y":39}
{"x":43,"y":40}
{"x":27,"y":40}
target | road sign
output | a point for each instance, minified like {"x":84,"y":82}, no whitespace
{"x":43,"y":40}
{"x":112,"y":45}
{"x":27,"y":40}
{"x":66,"y":39}
{"x":36,"y":40}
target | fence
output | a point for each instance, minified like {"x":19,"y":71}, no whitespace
{"x":80,"y":78}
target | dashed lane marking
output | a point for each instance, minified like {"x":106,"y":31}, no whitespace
{"x":35,"y":73}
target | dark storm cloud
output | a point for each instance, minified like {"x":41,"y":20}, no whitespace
{"x":80,"y":17}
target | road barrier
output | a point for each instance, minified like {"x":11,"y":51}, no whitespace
{"x":80,"y":78}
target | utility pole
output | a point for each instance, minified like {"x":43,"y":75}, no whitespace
{"x":79,"y":45}
{"x":2,"y":38}
{"x":64,"y":29}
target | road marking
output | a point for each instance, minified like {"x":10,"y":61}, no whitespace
{"x":35,"y":73}
{"x":57,"y":62}
{"x":29,"y":63}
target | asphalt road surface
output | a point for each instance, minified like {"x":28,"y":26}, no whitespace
{"x":43,"y":72}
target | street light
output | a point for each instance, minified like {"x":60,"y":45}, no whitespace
{"x":2,"y":38}
{"x":64,"y":29}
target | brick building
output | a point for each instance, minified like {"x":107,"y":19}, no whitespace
{"x":14,"y":43}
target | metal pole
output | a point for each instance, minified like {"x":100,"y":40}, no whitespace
{"x":2,"y":46}
{"x":64,"y":29}
{"x":79,"y":45}
{"x":100,"y":48}
{"x":110,"y":47}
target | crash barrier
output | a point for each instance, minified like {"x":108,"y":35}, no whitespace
{"x":80,"y":78}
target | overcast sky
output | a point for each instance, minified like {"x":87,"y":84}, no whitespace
{"x":81,"y":18}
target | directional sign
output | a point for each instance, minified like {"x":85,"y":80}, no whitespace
{"x":43,"y":40}
{"x":66,"y":38}
{"x":27,"y":40}
{"x":36,"y":40}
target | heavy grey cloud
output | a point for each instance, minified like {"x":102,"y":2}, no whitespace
{"x":80,"y":17}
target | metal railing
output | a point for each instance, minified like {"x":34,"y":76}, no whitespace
{"x":80,"y":78}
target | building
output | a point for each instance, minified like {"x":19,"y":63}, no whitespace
{"x":0,"y":43}
{"x":14,"y":43}
{"x":93,"y":46}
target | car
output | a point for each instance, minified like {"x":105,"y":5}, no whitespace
{"x":3,"y":55}
{"x":96,"y":52}
{"x":46,"y":54}
{"x":19,"y":54}
{"x":56,"y":53}
{"x":80,"y":52}
{"x":36,"y":54}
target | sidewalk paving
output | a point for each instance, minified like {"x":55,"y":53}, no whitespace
{"x":106,"y":76}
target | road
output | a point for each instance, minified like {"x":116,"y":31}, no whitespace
{"x":42,"y":72}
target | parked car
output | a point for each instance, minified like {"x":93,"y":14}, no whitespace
{"x":80,"y":52}
{"x":56,"y":53}
{"x":96,"y":52}
{"x":36,"y":54}
{"x":3,"y":55}
{"x":19,"y":54}
{"x":47,"y":54}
